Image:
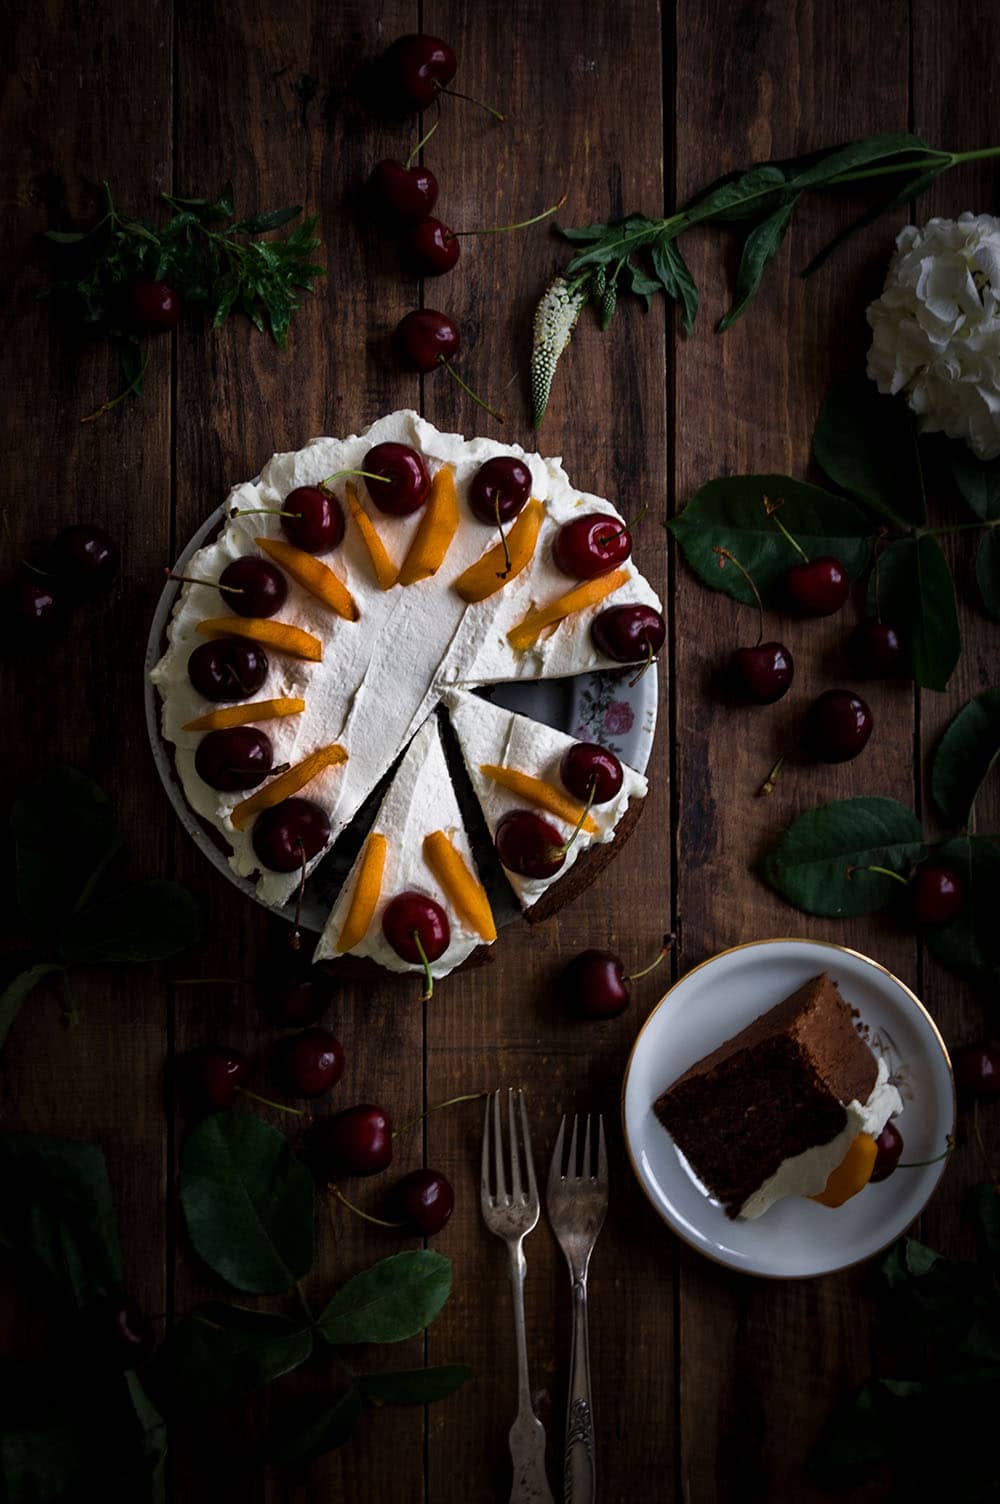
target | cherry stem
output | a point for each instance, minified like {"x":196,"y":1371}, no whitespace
{"x":625,"y":528}
{"x":133,"y":385}
{"x":470,"y":99}
{"x":503,"y":539}
{"x":190,"y":579}
{"x":522,"y":224}
{"x":428,"y":991}
{"x":367,"y":474}
{"x":650,"y":655}
{"x":771,"y":508}
{"x":665,"y":949}
{"x":422,"y":142}
{"x":295,"y":938}
{"x":724,"y":556}
{"x":471,"y":1096}
{"x":263,"y":512}
{"x":500,"y":417}
{"x":566,"y":845}
{"x":919,"y":1164}
{"x":767,"y":787}
{"x":365,"y":1216}
{"x":254,"y":1096}
{"x":882,"y":871}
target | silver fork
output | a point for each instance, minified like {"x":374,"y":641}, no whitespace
{"x":577,"y":1204}
{"x":511,"y":1214}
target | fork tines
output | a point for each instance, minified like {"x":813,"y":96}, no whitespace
{"x":580,"y":1165}
{"x":498,"y":1188}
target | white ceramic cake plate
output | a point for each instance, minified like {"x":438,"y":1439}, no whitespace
{"x":599,"y":707}
{"x":797,"y":1238}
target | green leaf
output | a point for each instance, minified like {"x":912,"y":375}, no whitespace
{"x":18,"y":990}
{"x":970,"y":947}
{"x":740,"y":196}
{"x":624,"y":237}
{"x":678,"y":283}
{"x":219,"y":1352}
{"x":415,"y":1386}
{"x":248,"y":1203}
{"x":634,"y":279}
{"x":916,"y":593}
{"x":394,"y":1299}
{"x":965,"y":754}
{"x":759,"y":249}
{"x":857,"y":154}
{"x":326,"y":1428}
{"x":57,"y":1208}
{"x":812,"y":865}
{"x":731,"y":513}
{"x":583,"y":234}
{"x":866,"y":443}
{"x":260,"y":224}
{"x":988,"y":572}
{"x":978,"y":481}
{"x":65,"y":837}
{"x":147,"y":922}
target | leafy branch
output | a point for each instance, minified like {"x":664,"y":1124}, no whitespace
{"x":758,"y":201}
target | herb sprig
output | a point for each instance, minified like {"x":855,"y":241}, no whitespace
{"x":214,"y":261}
{"x":758,"y":201}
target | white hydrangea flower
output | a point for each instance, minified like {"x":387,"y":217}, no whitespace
{"x":936,"y":329}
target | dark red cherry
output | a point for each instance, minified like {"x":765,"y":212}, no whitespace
{"x":875,"y":650}
{"x":591,"y":772}
{"x":818,"y":587}
{"x":528,"y":845}
{"x":312,"y":520}
{"x":287,"y":832}
{"x":977,"y":1071}
{"x":406,"y":483}
{"x":594,"y":985}
{"x":238,"y":758}
{"x":888,"y":1152}
{"x":34,"y":607}
{"x":310,"y":1063}
{"x":430,"y":248}
{"x":84,"y":558}
{"x":357,"y":1141}
{"x":227,"y":669}
{"x":503,"y":482}
{"x":425,"y":338}
{"x":154,"y":305}
{"x":291,"y":993}
{"x":414,"y":912}
{"x":117,"y":1333}
{"x":837,"y":726}
{"x":415,"y":69}
{"x":937,"y":894}
{"x":254,"y":587}
{"x":211,"y":1076}
{"x":423,"y":1200}
{"x":628,"y":634}
{"x":761,"y":675}
{"x":398,"y":194}
{"x":590,"y":546}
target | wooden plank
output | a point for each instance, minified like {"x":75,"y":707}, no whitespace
{"x":265,"y":96}
{"x":582,"y":87}
{"x":76,"y":701}
{"x":763,"y":1363}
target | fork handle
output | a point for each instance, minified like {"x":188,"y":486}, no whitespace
{"x":527,"y":1435}
{"x":579,"y":1472}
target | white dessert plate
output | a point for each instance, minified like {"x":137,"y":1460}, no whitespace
{"x":599,"y":707}
{"x":797,"y":1238}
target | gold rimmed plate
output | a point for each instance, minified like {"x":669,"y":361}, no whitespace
{"x":797,"y":1238}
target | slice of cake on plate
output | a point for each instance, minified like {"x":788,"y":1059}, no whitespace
{"x":413,"y":900}
{"x":781,"y":1106}
{"x":518,"y":768}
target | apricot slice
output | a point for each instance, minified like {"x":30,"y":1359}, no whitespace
{"x":385,"y":570}
{"x":465,"y":892}
{"x":435,"y":531}
{"x":278,"y":635}
{"x":286,"y":784}
{"x":490,"y":574}
{"x":312,"y":574}
{"x":367,"y":889}
{"x":590,"y":593}
{"x":537,"y":791}
{"x":245,"y":715}
{"x":852,"y":1174}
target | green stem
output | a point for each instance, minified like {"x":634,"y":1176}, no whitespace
{"x":665,"y":948}
{"x":367,"y":474}
{"x":957,"y":527}
{"x":106,"y":407}
{"x":920,"y":1164}
{"x":255,"y":1096}
{"x":365,"y":1216}
{"x":503,"y":541}
{"x":414,"y":154}
{"x":882,"y":871}
{"x":888,"y":168}
{"x":471,"y":1096}
{"x":428,"y":991}
{"x":771,"y":509}
{"x":500,"y":417}
{"x":522,"y":224}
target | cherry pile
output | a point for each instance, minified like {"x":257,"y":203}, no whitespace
{"x":79,"y":563}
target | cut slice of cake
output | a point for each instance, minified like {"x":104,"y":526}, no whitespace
{"x":514,"y":767}
{"x":773,"y":1111}
{"x":417,"y":848}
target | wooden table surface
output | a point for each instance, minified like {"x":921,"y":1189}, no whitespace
{"x":708,"y":1386}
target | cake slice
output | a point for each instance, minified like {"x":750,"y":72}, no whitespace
{"x":417,"y":846}
{"x":496,"y":743}
{"x":773,"y":1111}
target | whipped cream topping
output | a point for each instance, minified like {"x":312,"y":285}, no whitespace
{"x":421,"y":799}
{"x":382,"y":675}
{"x":490,"y":734}
{"x":806,"y":1174}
